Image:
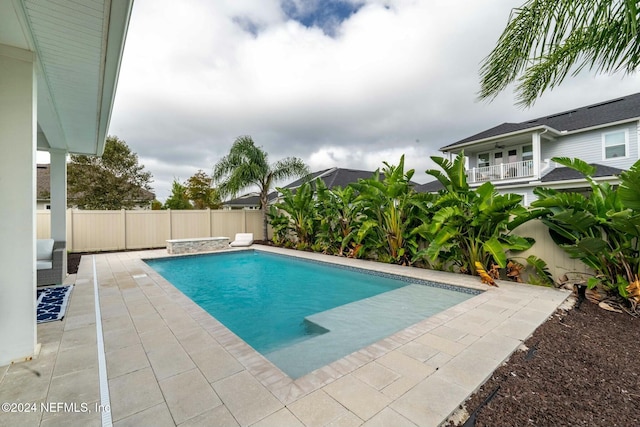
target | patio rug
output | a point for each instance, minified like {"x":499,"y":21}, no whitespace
{"x":52,"y":303}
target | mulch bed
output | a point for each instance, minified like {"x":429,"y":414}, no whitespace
{"x":73,"y":261}
{"x":580,"y":369}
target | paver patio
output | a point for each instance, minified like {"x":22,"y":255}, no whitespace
{"x":170,"y":363}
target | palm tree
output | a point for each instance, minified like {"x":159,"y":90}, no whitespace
{"x":247,"y":165}
{"x":545,"y":39}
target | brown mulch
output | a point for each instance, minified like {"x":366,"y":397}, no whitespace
{"x":73,"y":261}
{"x":580,"y":369}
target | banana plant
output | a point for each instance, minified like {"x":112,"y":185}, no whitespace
{"x":279,"y":225}
{"x":301,"y":210}
{"x":391,"y":210}
{"x":602,"y":230}
{"x":469,"y":226}
{"x":338,"y":217}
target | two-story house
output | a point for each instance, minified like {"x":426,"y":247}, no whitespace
{"x":516,"y":157}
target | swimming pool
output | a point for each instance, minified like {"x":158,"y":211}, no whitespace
{"x":303,"y":314}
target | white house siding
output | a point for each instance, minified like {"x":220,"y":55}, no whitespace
{"x":587,"y":146}
{"x":525,"y":192}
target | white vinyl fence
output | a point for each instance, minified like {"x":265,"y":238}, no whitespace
{"x":90,"y":231}
{"x":545,"y":248}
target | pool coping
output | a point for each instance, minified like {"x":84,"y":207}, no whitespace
{"x":288,"y":390}
{"x":171,"y":363}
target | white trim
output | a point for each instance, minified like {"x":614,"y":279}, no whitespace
{"x":638,"y":139}
{"x":524,"y":199}
{"x":536,"y":145}
{"x":117,"y":18}
{"x":568,"y":183}
{"x":497,"y":138}
{"x":603,"y":138}
{"x":105,"y":403}
{"x":457,"y":147}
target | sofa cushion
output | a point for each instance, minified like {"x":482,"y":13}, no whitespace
{"x":44,"y":265}
{"x":44,"y":249}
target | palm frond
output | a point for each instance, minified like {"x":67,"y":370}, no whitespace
{"x":545,"y":39}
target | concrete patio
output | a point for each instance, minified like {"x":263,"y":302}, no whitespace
{"x":170,"y":363}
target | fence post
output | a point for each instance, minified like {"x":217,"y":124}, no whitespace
{"x":69,"y":214}
{"x":170,"y":224}
{"x":244,"y":220}
{"x":123,"y":218}
{"x":209,"y":230}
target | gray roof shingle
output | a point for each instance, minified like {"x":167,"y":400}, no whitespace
{"x":613,"y":110}
{"x":334,"y":177}
{"x":43,"y":189}
{"x":564,"y":174}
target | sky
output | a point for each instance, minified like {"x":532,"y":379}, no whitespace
{"x":338,"y":83}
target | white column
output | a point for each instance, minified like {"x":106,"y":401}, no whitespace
{"x":535,"y":142}
{"x":18,"y":127}
{"x":58,"y":175}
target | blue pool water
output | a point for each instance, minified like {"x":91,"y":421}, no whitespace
{"x":266,"y":299}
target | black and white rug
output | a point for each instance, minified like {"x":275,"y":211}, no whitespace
{"x":52,"y":303}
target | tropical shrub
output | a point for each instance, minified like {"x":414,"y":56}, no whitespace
{"x":602,"y":230}
{"x":469,"y":226}
{"x":279,"y":225}
{"x":391,"y":210}
{"x":339,"y":218}
{"x":300,"y":210}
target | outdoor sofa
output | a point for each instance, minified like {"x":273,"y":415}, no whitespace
{"x":49,"y":261}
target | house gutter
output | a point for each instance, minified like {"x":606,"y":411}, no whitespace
{"x":558,"y":184}
{"x":529,"y":130}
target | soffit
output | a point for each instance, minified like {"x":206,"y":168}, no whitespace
{"x":78,"y":46}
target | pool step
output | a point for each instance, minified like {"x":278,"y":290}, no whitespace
{"x":360,"y":323}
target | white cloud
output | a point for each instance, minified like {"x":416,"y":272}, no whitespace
{"x":197,"y":74}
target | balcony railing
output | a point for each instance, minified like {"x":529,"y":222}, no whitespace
{"x":502,"y":171}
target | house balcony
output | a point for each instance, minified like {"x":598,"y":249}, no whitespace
{"x":503,"y":171}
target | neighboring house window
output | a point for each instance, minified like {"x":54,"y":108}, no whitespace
{"x":527,"y":152}
{"x":483,"y":160}
{"x":615,"y":144}
{"x":497,"y":158}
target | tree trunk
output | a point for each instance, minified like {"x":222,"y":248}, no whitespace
{"x":263,"y":203}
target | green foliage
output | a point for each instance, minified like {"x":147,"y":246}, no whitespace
{"x":602,"y":230}
{"x":178,"y":199}
{"x":629,"y":190}
{"x":200,"y":191}
{"x":110,"y":182}
{"x":339,"y":219}
{"x":392,"y":210}
{"x":301,"y":213}
{"x":385,"y":219}
{"x":247,"y":166}
{"x":541,"y":273}
{"x":545,"y":39}
{"x":469,"y":226}
{"x":279,"y":224}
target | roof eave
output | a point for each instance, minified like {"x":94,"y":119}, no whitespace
{"x":119,"y":16}
{"x":457,"y":147}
